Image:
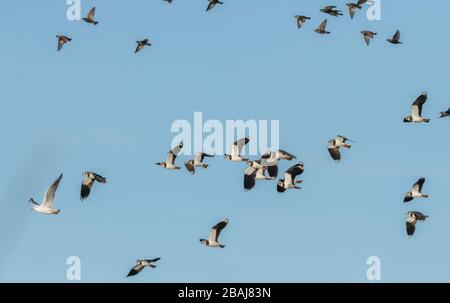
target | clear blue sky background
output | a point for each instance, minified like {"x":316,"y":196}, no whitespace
{"x":98,"y":106}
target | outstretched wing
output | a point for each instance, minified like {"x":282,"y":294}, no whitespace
{"x":396,"y":36}
{"x":410,"y":228}
{"x":50,"y":194}
{"x":418,"y":105}
{"x":417,"y":187}
{"x":237,"y":146}
{"x":99,"y":178}
{"x":135,"y":270}
{"x":323,"y":25}
{"x":91,"y":14}
{"x":334,"y":153}
{"x":249,"y":178}
{"x":216,"y":229}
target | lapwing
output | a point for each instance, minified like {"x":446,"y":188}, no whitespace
{"x":213,"y":240}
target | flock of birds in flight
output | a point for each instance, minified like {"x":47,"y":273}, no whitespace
{"x":257,"y":169}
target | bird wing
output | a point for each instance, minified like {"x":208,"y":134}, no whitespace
{"x":273,"y":171}
{"x":367,"y":38}
{"x":396,"y":36}
{"x":351,"y":10}
{"x":417,"y":187}
{"x":91,"y":14}
{"x":419,"y":216}
{"x":323,"y":25}
{"x":418,"y":104}
{"x":50,"y":194}
{"x":286,"y":155}
{"x":410,"y":228}
{"x":172,"y":154}
{"x":60,"y":43}
{"x":334,"y":153}
{"x":216,"y":229}
{"x":295,"y":170}
{"x":99,"y":178}
{"x":237,"y":146}
{"x":203,"y":155}
{"x":249,"y":178}
{"x":135,"y":270}
{"x":152,"y":260}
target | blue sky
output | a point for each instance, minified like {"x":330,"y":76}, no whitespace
{"x":97,"y":106}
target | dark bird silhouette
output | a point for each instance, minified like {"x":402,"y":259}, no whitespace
{"x":411,"y":220}
{"x":301,"y":20}
{"x":62,"y":40}
{"x":368,"y":35}
{"x":395,"y":39}
{"x":212,"y":4}
{"x":322,"y":28}
{"x":90,"y":17}
{"x":352,"y":7}
{"x":445,"y":114}
{"x":141,"y":44}
{"x":331,"y":10}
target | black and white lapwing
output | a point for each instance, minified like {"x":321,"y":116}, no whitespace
{"x":395,"y":39}
{"x":352,"y":7}
{"x":416,"y":110}
{"x":141,"y":44}
{"x":254,"y":171}
{"x":171,"y":156}
{"x":46,"y":206}
{"x":236,"y":150}
{"x":88,"y":182}
{"x":62,"y":40}
{"x":444,"y":114}
{"x":301,"y":20}
{"x":141,"y":264}
{"x":368,"y":35}
{"x":271,"y":159}
{"x":289,"y":178}
{"x":335,"y":144}
{"x":212,"y":4}
{"x":322,"y":28}
{"x":213,"y":240}
{"x":90,"y":17}
{"x":197,"y":162}
{"x":331,"y":10}
{"x":416,"y":191}
{"x":411,"y":220}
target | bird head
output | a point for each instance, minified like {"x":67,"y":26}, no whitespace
{"x":407,"y":119}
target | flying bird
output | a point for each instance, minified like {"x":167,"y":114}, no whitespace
{"x":445,"y":114}
{"x":171,"y":156}
{"x":411,"y":220}
{"x":255,"y":171}
{"x":62,"y":40}
{"x":335,"y":144}
{"x":368,"y":35}
{"x":212,"y":3}
{"x":197,"y":162}
{"x":395,"y":39}
{"x":352,"y":9}
{"x":322,"y":28}
{"x":271,"y":159}
{"x":331,"y":10}
{"x":289,"y":178}
{"x":236,"y":150}
{"x":416,"y":191}
{"x":141,"y":264}
{"x":301,"y":20}
{"x":90,"y":17}
{"x":141,"y":44}
{"x":88,"y":182}
{"x":46,"y":206}
{"x":213,"y":240}
{"x":416,"y":109}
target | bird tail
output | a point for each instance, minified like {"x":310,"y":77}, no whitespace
{"x":426,"y":120}
{"x":222,"y":246}
{"x":425,"y":196}
{"x":95,"y":22}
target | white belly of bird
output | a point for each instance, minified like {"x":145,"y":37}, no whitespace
{"x":214,"y":244}
{"x":170,"y":166}
{"x":45,"y":210}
